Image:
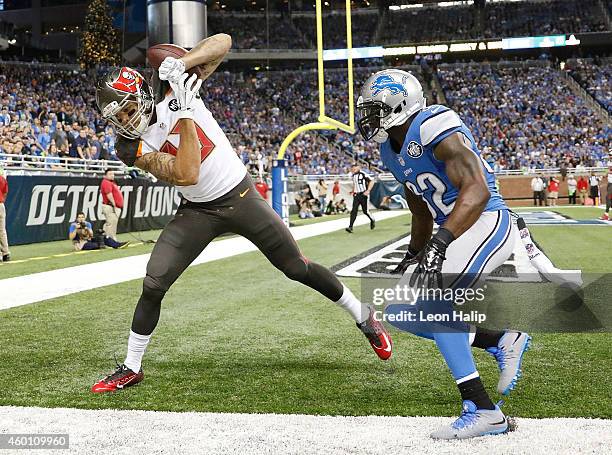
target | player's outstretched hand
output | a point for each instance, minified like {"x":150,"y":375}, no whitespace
{"x":409,"y":259}
{"x":185,"y":91}
{"x":428,"y":273}
{"x":171,"y":69}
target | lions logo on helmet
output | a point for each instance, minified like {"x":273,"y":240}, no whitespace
{"x":386,"y":82}
{"x":388,"y":98}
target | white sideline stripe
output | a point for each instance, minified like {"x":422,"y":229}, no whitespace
{"x":113,"y":431}
{"x":37,"y":287}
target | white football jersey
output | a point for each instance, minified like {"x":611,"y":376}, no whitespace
{"x":220,"y":168}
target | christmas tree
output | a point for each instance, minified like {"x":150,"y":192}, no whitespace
{"x":100,"y":43}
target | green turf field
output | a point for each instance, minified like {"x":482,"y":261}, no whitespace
{"x":236,"y":336}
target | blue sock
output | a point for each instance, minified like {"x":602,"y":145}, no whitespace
{"x":456,"y":350}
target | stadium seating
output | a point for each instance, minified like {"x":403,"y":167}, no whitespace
{"x":525,"y":117}
{"x":595,"y":78}
{"x":427,"y":24}
{"x":249,"y":31}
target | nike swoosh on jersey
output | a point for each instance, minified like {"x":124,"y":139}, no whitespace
{"x":244,"y":192}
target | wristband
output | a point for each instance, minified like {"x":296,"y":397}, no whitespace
{"x":188,"y":113}
{"x":444,"y":236}
{"x":412,"y":251}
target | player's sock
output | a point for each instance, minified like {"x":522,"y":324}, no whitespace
{"x":456,"y":350}
{"x":137,"y":344}
{"x":359,"y":311}
{"x":473,"y":390}
{"x":484,"y":338}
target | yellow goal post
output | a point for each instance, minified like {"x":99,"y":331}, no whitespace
{"x":279,"y":179}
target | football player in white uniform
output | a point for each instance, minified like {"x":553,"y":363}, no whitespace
{"x":173,"y":136}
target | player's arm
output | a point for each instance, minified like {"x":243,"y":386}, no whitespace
{"x":422,"y":221}
{"x":207,"y":55}
{"x":464,"y":170}
{"x":420,"y":230}
{"x":182,"y":169}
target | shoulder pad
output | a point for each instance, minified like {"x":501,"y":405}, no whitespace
{"x":128,"y":150}
{"x":438,"y":122}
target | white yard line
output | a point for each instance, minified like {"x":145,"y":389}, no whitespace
{"x":37,"y":287}
{"x":112,"y":431}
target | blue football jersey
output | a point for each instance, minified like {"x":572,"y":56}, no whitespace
{"x":425,"y":175}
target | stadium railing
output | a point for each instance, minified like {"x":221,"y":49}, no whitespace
{"x":41,"y":164}
{"x":47,"y":164}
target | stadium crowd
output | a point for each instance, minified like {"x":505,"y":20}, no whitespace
{"x":426,"y":24}
{"x":523,"y":118}
{"x":47,"y":115}
{"x":596,"y":78}
{"x":526,"y":118}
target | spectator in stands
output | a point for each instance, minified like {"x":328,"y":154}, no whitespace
{"x":79,"y":143}
{"x":583,"y":188}
{"x":553,"y":191}
{"x":59,"y":136}
{"x":537,"y":186}
{"x":571,"y":189}
{"x":112,"y":201}
{"x":5,"y":254}
{"x":82,"y":236}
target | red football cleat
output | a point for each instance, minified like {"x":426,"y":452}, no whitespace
{"x":605,"y":217}
{"x":122,"y":377}
{"x":377,"y":335}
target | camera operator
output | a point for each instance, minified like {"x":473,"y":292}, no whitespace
{"x":82,"y":236}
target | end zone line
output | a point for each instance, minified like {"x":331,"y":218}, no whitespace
{"x":94,"y":432}
{"x":37,"y":287}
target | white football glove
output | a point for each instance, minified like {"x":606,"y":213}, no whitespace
{"x":171,"y":69}
{"x":185,"y":92}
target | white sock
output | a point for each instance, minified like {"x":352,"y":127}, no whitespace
{"x":472,"y":334}
{"x":350,"y":303}
{"x":137,"y":344}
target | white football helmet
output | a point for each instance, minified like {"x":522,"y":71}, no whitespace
{"x":388,"y":98}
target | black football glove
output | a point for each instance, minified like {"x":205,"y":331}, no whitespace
{"x":409,"y":259}
{"x":428,"y":272}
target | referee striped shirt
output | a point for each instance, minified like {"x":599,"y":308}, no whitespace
{"x":360,"y":182}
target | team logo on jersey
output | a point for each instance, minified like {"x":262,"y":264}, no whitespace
{"x":414,"y":149}
{"x":386,"y":82}
{"x":129,"y":81}
{"x":173,"y":105}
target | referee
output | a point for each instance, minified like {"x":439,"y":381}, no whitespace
{"x":362,"y":184}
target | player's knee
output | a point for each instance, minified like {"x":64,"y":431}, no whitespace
{"x":153,"y":290}
{"x":296,"y":270}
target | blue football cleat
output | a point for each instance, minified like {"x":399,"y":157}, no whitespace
{"x":473,"y":423}
{"x":509,"y":355}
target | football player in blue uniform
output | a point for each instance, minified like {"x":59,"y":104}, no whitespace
{"x":432,"y":152}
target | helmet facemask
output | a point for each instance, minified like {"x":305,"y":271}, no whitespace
{"x":371,"y":115}
{"x":126,"y":101}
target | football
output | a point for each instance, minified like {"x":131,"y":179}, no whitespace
{"x":157,"y":54}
